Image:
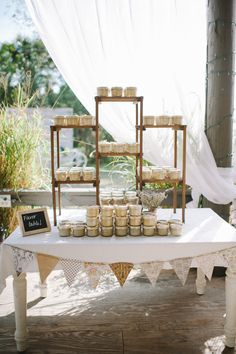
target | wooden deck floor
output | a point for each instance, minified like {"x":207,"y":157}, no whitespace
{"x":138,"y":319}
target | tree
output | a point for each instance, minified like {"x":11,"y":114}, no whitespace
{"x":28,"y":63}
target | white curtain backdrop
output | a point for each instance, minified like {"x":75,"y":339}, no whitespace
{"x":158,"y":46}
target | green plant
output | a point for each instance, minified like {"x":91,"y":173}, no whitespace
{"x":125,"y":166}
{"x":22,"y":145}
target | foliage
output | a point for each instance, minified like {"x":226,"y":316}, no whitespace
{"x":27,"y":63}
{"x":125,"y":166}
{"x":22,"y":146}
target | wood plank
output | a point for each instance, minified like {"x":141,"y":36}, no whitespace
{"x":139,"y":318}
{"x":48,"y":340}
{"x":174,"y":342}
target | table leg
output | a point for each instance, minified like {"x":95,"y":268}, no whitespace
{"x":19,"y":289}
{"x":43,"y":289}
{"x":200,"y":282}
{"x":230,"y":298}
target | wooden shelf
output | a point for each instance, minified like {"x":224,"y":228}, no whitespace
{"x":166,"y":180}
{"x":113,"y":154}
{"x":173,"y":127}
{"x":93,"y":181}
{"x":58,"y":127}
{"x":118,"y":99}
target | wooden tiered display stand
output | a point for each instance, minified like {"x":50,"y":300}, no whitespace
{"x":182,"y":181}
{"x":138,"y":101}
{"x":56,"y":185}
{"x":140,"y":128}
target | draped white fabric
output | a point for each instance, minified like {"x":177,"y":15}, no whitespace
{"x":158,"y":46}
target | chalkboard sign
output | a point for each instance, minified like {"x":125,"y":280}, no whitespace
{"x":34,"y":221}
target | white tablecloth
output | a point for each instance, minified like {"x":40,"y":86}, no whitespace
{"x":204,"y":233}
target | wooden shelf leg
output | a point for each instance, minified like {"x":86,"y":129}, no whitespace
{"x":58,"y":165}
{"x":97,"y":155}
{"x":137,"y":140}
{"x":53,"y":177}
{"x":59,"y":198}
{"x":175,"y":198}
{"x":21,"y":333}
{"x":175,"y":165}
{"x":141,"y":147}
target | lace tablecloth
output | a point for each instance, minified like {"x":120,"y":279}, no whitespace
{"x":207,"y":240}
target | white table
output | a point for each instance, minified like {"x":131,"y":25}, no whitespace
{"x":205,"y":233}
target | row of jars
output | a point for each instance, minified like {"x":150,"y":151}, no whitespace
{"x":161,"y":228}
{"x":117,"y":91}
{"x":162,"y":120}
{"x":121,"y":216}
{"x":118,"y":198}
{"x":75,"y":174}
{"x":156,"y":172}
{"x":114,"y":147}
{"x":75,"y":120}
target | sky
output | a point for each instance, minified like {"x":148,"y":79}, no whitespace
{"x":10,"y":27}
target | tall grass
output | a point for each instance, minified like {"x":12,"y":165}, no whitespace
{"x":21,"y":145}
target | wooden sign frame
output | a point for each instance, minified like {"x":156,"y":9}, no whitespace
{"x":23,"y":214}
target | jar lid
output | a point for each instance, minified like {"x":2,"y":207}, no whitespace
{"x":117,"y":88}
{"x":176,"y":225}
{"x":130,"y":193}
{"x":156,"y":168}
{"x":76,"y":169}
{"x":107,"y":207}
{"x":64,"y":221}
{"x":104,"y":142}
{"x":89,"y":169}
{"x":149,"y":216}
{"x":136,"y":206}
{"x":121,"y":207}
{"x":64,"y":227}
{"x":162,"y":222}
{"x":78,"y":227}
{"x":62,"y":169}
{"x":174,"y":221}
{"x":162,"y":226}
